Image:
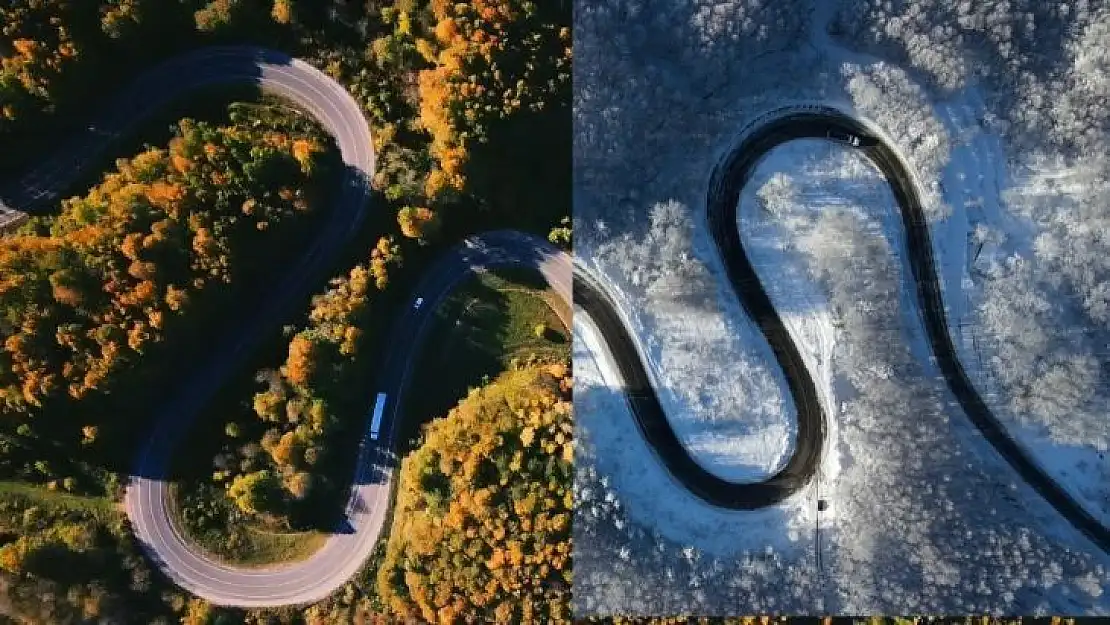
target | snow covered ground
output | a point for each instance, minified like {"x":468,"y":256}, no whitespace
{"x":734,"y":418}
{"x":1033,"y":352}
{"x":1019,"y":95}
{"x":688,"y":557}
{"x":925,"y":517}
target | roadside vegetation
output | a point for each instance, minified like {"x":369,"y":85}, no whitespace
{"x":1040,"y":294}
{"x":468,"y":101}
{"x":481,"y":523}
{"x":72,"y":559}
{"x":489,"y":325}
{"x":286,"y":446}
{"x":469,"y":109}
{"x":481,"y":526}
{"x":98,"y":300}
{"x":279,"y":479}
{"x":277,"y":468}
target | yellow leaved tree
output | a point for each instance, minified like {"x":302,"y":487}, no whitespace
{"x":481,"y":529}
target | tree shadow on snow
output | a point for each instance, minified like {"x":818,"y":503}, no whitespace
{"x":635,"y":556}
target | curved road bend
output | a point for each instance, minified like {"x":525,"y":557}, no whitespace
{"x":274,"y":71}
{"x":722,"y":203}
{"x":341,"y":116}
{"x":591,"y":297}
{"x":345,"y":551}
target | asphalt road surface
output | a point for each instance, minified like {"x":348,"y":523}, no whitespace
{"x":727,"y":181}
{"x":591,"y":298}
{"x":146,"y":496}
{"x":366,"y":512}
{"x":276,"y":72}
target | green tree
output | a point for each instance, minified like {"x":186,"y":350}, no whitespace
{"x":257,"y":493}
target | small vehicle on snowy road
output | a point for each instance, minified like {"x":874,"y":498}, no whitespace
{"x":844,"y":137}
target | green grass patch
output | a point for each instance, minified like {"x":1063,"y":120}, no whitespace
{"x":485,"y":326}
{"x":212,"y":523}
{"x":262,"y":547}
{"x":100,"y":508}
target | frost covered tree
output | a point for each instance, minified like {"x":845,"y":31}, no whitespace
{"x":1040,"y":62}
{"x":662,"y":262}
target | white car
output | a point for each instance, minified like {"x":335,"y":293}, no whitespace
{"x":844,"y":137}
{"x":419,"y":302}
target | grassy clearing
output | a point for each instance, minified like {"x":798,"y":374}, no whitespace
{"x":263,"y":548}
{"x":101,"y":508}
{"x":485,"y":325}
{"x":213,"y":524}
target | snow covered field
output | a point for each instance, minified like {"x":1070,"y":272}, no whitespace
{"x":924,"y":515}
{"x":735,"y":419}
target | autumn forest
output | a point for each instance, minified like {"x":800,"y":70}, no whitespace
{"x":109,"y":297}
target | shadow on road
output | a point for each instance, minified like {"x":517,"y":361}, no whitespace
{"x":193,"y":85}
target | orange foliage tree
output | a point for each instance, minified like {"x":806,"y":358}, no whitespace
{"x":481,"y":529}
{"x":491,"y":59}
{"x":418,"y":222}
{"x":126,"y":263}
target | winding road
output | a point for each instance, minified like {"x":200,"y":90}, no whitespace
{"x":722,"y":202}
{"x":145,"y":500}
{"x":346,"y":550}
{"x":366,"y":513}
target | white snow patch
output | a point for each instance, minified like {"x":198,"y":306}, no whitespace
{"x":708,"y":360}
{"x":648,"y":492}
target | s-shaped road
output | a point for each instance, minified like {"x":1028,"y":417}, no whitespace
{"x":146,"y":496}
{"x":722,"y":202}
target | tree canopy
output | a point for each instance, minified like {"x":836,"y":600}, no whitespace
{"x":129,"y":265}
{"x":492,"y":58}
{"x":481,"y":528}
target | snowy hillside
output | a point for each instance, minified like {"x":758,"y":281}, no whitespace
{"x":1002,"y":124}
{"x":727,"y":406}
{"x":1021,"y":90}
